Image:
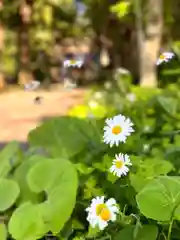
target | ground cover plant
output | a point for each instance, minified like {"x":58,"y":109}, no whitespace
{"x":83,"y":177}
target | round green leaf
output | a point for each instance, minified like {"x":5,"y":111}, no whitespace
{"x":10,"y":157}
{"x":48,"y":174}
{"x":20,"y":175}
{"x":58,"y":178}
{"x":159,"y":198}
{"x":58,"y":135}
{"x":26,"y":223}
{"x":148,"y":170}
{"x":9,"y":191}
{"x":126,"y":233}
{"x":146,"y":232}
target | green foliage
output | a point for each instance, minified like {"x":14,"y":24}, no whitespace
{"x":148,"y":193}
{"x":121,"y":9}
{"x":37,"y":193}
{"x":23,"y":227}
{"x":9,"y":191}
{"x":52,"y":188}
{"x":148,"y":169}
{"x":159,"y":199}
{"x":146,"y":232}
{"x":3,"y":231}
{"x":62,"y":131}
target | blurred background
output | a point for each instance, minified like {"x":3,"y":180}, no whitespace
{"x":37,"y":35}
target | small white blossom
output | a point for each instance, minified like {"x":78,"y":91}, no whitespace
{"x":120,"y":165}
{"x":165,"y":57}
{"x":101,"y":212}
{"x":117,"y":130}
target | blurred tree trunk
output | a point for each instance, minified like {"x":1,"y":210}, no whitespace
{"x":2,"y":35}
{"x":149,"y":41}
{"x":25,"y":74}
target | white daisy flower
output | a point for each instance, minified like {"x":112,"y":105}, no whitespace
{"x":165,"y":57}
{"x":100,"y":212}
{"x":120,"y":165}
{"x":117,"y":130}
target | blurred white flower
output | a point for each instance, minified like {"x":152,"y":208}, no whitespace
{"x":108,"y":85}
{"x":146,"y":147}
{"x":117,"y":130}
{"x":165,"y":57}
{"x":33,"y":85}
{"x":120,"y":165}
{"x":98,"y":95}
{"x":119,"y":72}
{"x":72,"y":63}
{"x":122,"y":71}
{"x":93,"y":104}
{"x":131,"y":97}
{"x":91,"y":115}
{"x":101,"y":212}
{"x":147,"y":128}
{"x":68,"y":84}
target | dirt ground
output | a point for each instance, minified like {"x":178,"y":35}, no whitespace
{"x":19,"y":114}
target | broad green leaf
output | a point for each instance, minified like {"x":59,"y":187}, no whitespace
{"x":26,"y":223}
{"x":3,"y":231}
{"x":126,"y":233}
{"x":20,"y":175}
{"x":147,"y":170}
{"x":46,"y":175}
{"x":159,"y":198}
{"x":62,"y":201}
{"x":58,"y":136}
{"x":58,"y":178}
{"x":147,"y":232}
{"x":10,"y":157}
{"x":9,"y":191}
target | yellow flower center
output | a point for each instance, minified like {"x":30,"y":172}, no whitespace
{"x":119,"y":164}
{"x":103,"y":212}
{"x":73,"y":61}
{"x":162,"y":57}
{"x":116,"y":130}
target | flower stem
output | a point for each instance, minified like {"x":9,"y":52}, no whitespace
{"x":170,"y":229}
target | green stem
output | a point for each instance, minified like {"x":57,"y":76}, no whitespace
{"x":170,"y":229}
